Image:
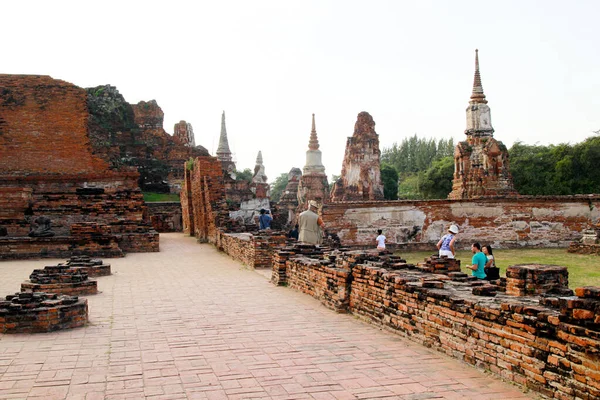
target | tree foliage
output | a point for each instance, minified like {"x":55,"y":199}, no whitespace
{"x":436,"y":182}
{"x":278,"y":186}
{"x":389,"y":178}
{"x":412,"y":159}
{"x":414,"y":154}
{"x":562,"y":169}
{"x":245,"y":175}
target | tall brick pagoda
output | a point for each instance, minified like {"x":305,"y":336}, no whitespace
{"x":313,"y":183}
{"x":481,"y":166}
{"x":361,"y":170}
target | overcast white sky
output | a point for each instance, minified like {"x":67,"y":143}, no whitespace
{"x":271,"y":64}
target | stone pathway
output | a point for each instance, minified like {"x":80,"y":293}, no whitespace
{"x":190,"y":323}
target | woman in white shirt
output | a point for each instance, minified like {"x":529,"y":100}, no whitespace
{"x":380,"y":240}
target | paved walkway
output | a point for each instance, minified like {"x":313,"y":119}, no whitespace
{"x":190,"y":323}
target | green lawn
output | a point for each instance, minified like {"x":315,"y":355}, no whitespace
{"x":584,"y":270}
{"x":151,"y":196}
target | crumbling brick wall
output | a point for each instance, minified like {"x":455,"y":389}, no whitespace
{"x":550,"y":344}
{"x":165,"y":216}
{"x":253,"y":249}
{"x":48,"y":170}
{"x":524,"y":221}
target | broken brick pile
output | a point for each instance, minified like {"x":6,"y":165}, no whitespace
{"x":41,"y":312}
{"x":439,"y":265}
{"x":549,"y":344}
{"x":60,"y":279}
{"x":535,"y":279}
{"x":583,"y":248}
{"x":91,"y":266}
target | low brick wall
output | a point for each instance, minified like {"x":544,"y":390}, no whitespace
{"x":12,"y":248}
{"x":41,"y":312}
{"x":165,"y":216}
{"x":253,"y":249}
{"x":582,"y":248}
{"x":550,"y":344}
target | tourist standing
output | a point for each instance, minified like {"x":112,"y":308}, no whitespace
{"x":446,"y":243}
{"x":310,"y":225}
{"x":479,"y":260}
{"x":264,"y":221}
{"x":380,"y":240}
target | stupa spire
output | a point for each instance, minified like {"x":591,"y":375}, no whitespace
{"x":313,"y":155}
{"x":478,"y":96}
{"x":313,"y":143}
{"x":223,"y":152}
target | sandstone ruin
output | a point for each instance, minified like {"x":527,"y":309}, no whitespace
{"x":361,"y":170}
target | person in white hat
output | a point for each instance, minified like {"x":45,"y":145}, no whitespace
{"x":446,"y":243}
{"x":310,"y":225}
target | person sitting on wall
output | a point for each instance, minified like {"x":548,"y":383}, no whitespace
{"x":293,"y":234}
{"x":446,"y":243}
{"x":491,"y":271}
{"x":264,"y":221}
{"x":479,"y":260}
{"x":310,"y":225}
{"x":380,"y":240}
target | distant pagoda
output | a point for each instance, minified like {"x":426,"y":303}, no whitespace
{"x":481,"y":167}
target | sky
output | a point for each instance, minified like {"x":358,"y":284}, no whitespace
{"x":271,"y":64}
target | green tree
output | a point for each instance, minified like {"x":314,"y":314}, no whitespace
{"x":278,"y":186}
{"x":389,"y":178}
{"x":245,"y":175}
{"x":408,"y":187}
{"x":414,"y":154}
{"x":437,"y":180}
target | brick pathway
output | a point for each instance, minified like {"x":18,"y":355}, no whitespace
{"x":190,"y":323}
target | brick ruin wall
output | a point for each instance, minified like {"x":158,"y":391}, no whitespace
{"x":502,"y":222}
{"x":255,"y":250}
{"x":48,"y":170}
{"x":203,"y":203}
{"x":550,"y":344}
{"x":165,"y":216}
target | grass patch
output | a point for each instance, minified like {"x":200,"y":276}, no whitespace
{"x":151,"y":196}
{"x":584,"y":270}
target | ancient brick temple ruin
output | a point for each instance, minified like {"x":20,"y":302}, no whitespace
{"x":313,"y":183}
{"x":361,"y":170}
{"x":133,"y":135}
{"x":57,"y":196}
{"x":481,"y":162}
